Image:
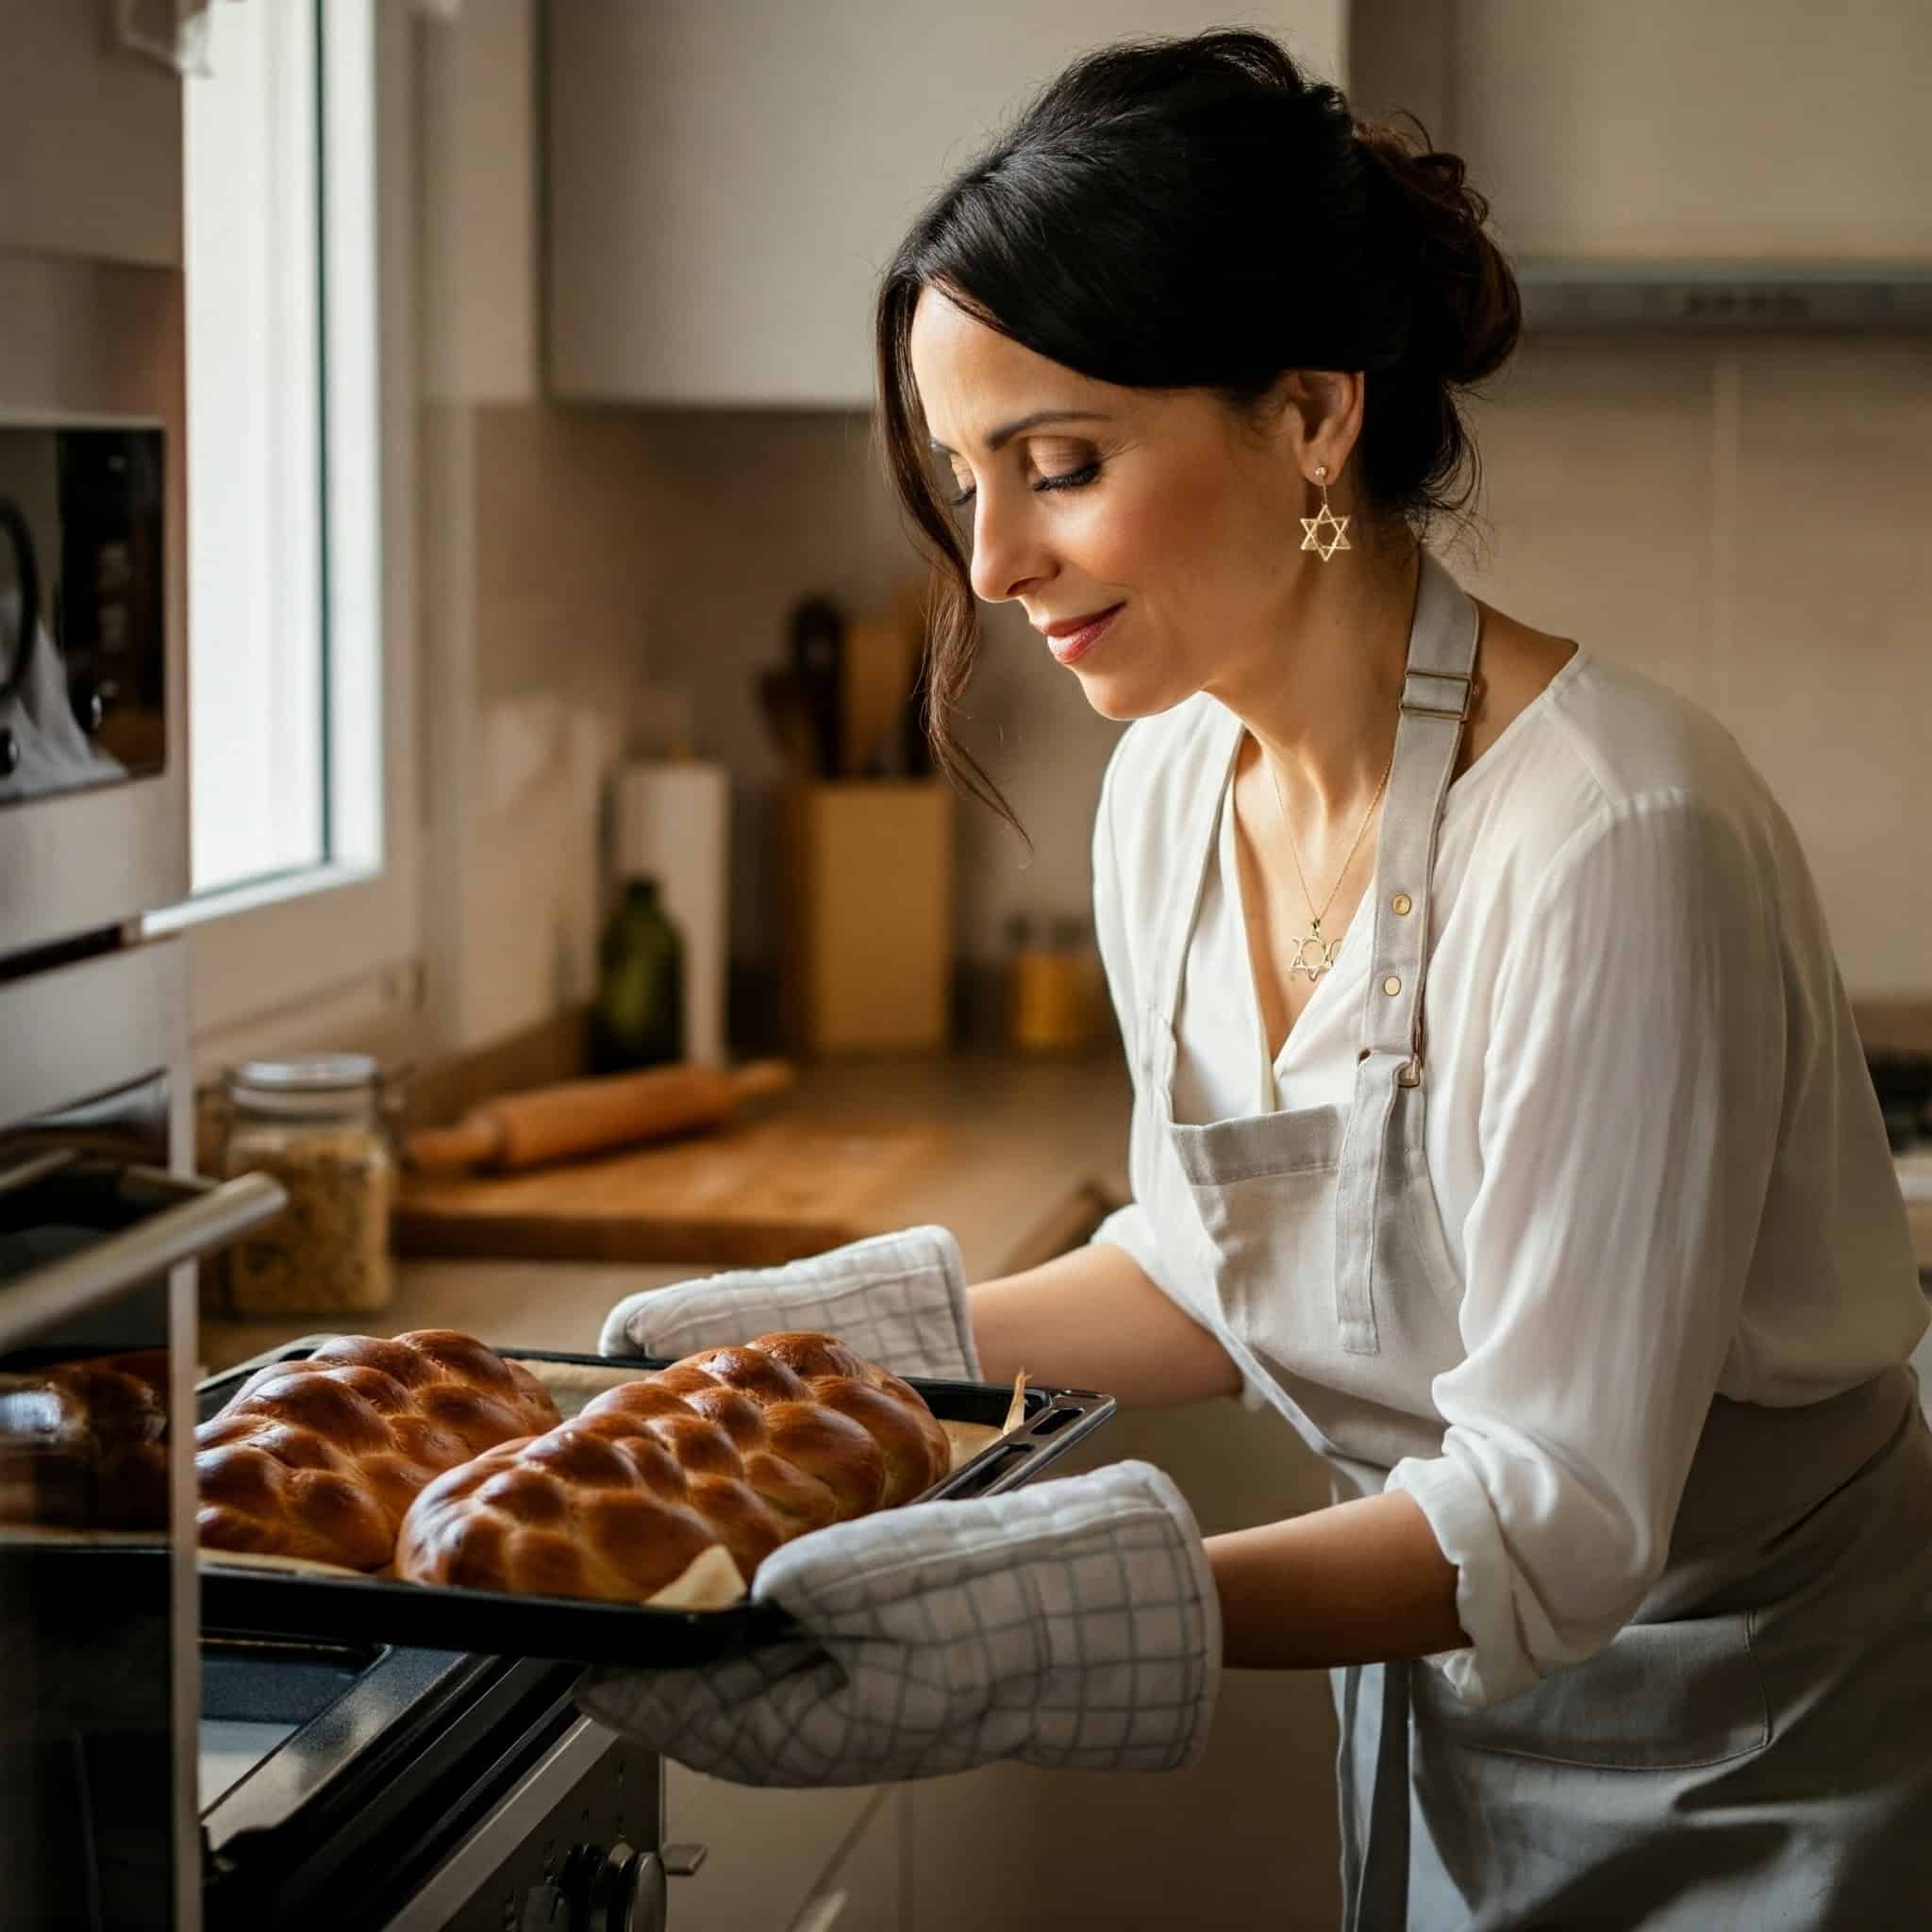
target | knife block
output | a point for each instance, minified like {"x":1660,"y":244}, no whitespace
{"x":865,"y":888}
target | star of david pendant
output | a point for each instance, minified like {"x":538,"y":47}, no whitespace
{"x":1313,"y":526}
{"x":1313,"y":954}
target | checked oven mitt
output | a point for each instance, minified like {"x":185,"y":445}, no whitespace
{"x":897,"y":1299}
{"x":1072,"y":1624}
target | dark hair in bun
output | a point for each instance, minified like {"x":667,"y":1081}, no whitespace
{"x":1194,"y":214}
{"x":1464,"y":314}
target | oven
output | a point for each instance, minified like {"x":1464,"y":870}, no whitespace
{"x":415,"y":1789}
{"x":100,"y":1220}
{"x":420,"y":1790}
{"x":156,"y":1772}
{"x":99,"y":1226}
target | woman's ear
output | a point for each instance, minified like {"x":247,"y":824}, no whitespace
{"x":1321,"y":418}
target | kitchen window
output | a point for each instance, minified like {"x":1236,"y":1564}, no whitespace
{"x":298,"y":540}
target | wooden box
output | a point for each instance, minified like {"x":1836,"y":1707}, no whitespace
{"x":865,"y":882}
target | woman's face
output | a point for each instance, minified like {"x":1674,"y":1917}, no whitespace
{"x":1159,"y":512}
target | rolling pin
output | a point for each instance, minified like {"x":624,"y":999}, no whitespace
{"x":581,"y":1116}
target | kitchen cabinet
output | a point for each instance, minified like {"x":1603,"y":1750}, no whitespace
{"x":726,"y":181}
{"x":1762,"y":131}
{"x":1246,"y":1835}
{"x":863,"y":1889}
{"x":91,"y":159}
{"x":1255,"y":1815}
{"x":778,"y":1860}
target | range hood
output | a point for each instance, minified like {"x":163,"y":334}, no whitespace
{"x":1833,"y":297}
{"x":1755,"y":165}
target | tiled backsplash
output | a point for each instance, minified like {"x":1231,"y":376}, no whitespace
{"x":1743,"y":521}
{"x":1747,"y":523}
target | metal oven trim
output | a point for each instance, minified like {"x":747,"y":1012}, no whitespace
{"x":188,"y":1218}
{"x":92,"y":1028}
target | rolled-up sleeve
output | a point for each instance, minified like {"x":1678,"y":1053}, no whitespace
{"x":1626,"y":1132}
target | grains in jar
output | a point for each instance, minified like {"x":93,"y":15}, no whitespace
{"x":315,"y":1125}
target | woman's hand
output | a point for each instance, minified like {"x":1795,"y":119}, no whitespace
{"x":1072,"y":1623}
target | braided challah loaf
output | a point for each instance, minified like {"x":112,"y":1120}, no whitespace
{"x":85,"y":1443}
{"x":744,"y":1447}
{"x":322,"y":1457}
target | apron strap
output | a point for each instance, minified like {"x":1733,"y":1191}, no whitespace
{"x":1375,"y":1866}
{"x":1428,"y":734}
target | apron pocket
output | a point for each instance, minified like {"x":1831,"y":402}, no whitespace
{"x":1665,"y":1696}
{"x":1263,"y":1146}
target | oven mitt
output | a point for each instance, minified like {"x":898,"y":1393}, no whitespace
{"x":1072,"y":1623}
{"x":897,"y":1299}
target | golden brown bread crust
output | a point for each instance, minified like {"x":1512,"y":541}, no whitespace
{"x":84,"y":1445}
{"x":323,"y":1458}
{"x":747,"y":1447}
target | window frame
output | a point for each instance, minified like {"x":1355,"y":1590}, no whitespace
{"x":346,"y":934}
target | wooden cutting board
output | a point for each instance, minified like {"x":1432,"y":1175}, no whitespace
{"x":749,"y":1196}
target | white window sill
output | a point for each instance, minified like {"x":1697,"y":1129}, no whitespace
{"x":276,"y":891}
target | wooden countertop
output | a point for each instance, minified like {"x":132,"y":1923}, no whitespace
{"x":1031,"y":1151}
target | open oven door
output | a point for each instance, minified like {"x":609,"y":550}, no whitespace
{"x":98,"y":1231}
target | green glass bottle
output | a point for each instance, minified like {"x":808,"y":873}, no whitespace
{"x":638,"y":1018}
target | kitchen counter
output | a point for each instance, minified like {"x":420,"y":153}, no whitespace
{"x":1030,"y":1152}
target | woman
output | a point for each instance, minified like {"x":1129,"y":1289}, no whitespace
{"x":1499,"y":1118}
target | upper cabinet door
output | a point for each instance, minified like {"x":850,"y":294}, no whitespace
{"x":1762,"y":130}
{"x":727,"y":179}
{"x":90,"y":140}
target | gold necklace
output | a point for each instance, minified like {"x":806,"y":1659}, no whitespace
{"x":1313,"y":954}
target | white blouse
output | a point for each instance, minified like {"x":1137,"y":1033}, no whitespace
{"x":1630,"y":981}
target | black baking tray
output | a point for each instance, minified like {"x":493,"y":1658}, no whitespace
{"x":238,"y":1601}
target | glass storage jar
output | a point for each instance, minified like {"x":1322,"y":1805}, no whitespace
{"x":317,"y":1126}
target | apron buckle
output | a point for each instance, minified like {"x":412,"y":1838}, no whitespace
{"x":1411,"y":1073}
{"x":1424,"y":694}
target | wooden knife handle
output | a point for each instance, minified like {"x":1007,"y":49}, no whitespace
{"x":581,"y":1116}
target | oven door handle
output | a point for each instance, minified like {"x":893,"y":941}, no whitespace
{"x":181,"y":1218}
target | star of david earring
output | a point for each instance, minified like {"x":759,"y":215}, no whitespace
{"x":1313,"y":527}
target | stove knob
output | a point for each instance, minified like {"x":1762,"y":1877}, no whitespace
{"x":653,"y":1910}
{"x":627,"y":1895}
{"x":562,"y":1904}
{"x":545,"y":1910}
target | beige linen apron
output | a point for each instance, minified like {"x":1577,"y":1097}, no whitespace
{"x":1753,"y":1749}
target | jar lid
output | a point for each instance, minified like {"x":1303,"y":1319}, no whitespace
{"x":326,"y":1073}
{"x":314,"y":1086}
